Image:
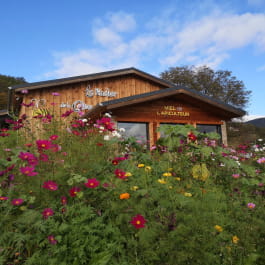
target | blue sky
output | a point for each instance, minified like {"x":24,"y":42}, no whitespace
{"x":50,"y":39}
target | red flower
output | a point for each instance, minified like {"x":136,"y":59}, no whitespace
{"x":120,"y":174}
{"x":138,"y":221}
{"x":67,"y":113}
{"x":63,"y":200}
{"x":73,"y":191}
{"x":17,"y":201}
{"x":50,"y":185}
{"x":52,"y":240}
{"x":92,"y":183}
{"x":115,"y":162}
{"x":192,"y":136}
{"x":28,"y":171}
{"x":47,"y":212}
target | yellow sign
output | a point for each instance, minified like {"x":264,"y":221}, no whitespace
{"x":173,"y":111}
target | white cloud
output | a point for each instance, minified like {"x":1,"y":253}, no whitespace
{"x":164,"y":40}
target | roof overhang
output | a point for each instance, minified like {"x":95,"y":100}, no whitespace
{"x":173,"y":91}
{"x":90,"y":77}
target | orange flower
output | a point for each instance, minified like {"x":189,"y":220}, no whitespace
{"x":124,"y":196}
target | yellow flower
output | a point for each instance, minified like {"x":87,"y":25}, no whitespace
{"x":161,"y":181}
{"x":140,"y":165}
{"x":167,"y":174}
{"x":177,"y":178}
{"x":124,"y":196}
{"x":134,"y":188}
{"x":187,"y":194}
{"x":218,"y":228}
{"x":235,"y":239}
{"x":128,"y":174}
{"x":170,"y":187}
{"x":147,"y":168}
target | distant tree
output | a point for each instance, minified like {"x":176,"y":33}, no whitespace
{"x":5,"y":82}
{"x":219,"y":84}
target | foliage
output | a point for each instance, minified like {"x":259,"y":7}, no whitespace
{"x":108,"y":200}
{"x":221,"y":85}
{"x":5,"y":82}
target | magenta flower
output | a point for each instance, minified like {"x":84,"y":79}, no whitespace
{"x":24,"y":91}
{"x":92,"y":183}
{"x":50,"y":185}
{"x":17,"y":201}
{"x":251,"y":205}
{"x":47,"y":212}
{"x":43,"y":157}
{"x":54,"y":137}
{"x":63,"y":200}
{"x":44,"y":144}
{"x":120,"y":174}
{"x":235,"y":176}
{"x":73,"y":191}
{"x":26,"y":156}
{"x":27,"y":105}
{"x":3,"y":198}
{"x":67,"y":113}
{"x":55,"y":94}
{"x":28,"y":171}
{"x":52,"y":240}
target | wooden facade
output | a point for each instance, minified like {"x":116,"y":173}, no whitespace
{"x":131,"y":96}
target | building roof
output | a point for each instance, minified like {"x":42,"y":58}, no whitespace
{"x":171,"y":91}
{"x":101,"y":75}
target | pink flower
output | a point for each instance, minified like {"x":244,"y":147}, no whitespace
{"x":28,"y":171}
{"x":43,"y":157}
{"x":24,"y":91}
{"x":92,"y":183}
{"x":52,"y":240}
{"x":55,"y":94}
{"x":73,"y":191}
{"x":261,"y":160}
{"x":17,"y":201}
{"x":54,"y":137}
{"x":63,"y":200}
{"x":3,"y":198}
{"x":120,"y":174}
{"x":235,"y":176}
{"x":138,"y":221}
{"x":47,"y":212}
{"x":44,"y":144}
{"x":50,"y":185}
{"x":251,"y":205}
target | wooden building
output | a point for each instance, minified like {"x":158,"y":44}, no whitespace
{"x":138,"y":101}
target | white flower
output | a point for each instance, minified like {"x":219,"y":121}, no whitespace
{"x":107,"y":115}
{"x":260,"y":140}
{"x":106,"y":137}
{"x":101,"y":128}
{"x":122,"y":130}
{"x":84,"y":120}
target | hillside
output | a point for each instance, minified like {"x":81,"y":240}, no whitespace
{"x":260,"y":122}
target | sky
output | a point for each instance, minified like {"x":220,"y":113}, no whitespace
{"x":44,"y":40}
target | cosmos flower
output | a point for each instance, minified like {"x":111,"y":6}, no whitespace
{"x":73,"y":191}
{"x":44,"y":144}
{"x":50,"y":185}
{"x":54,"y":137}
{"x":124,"y":196}
{"x":120,"y":174}
{"x":52,"y":240}
{"x":218,"y":228}
{"x":138,"y":221}
{"x":3,"y":198}
{"x":251,"y":205}
{"x":63,"y":200}
{"x":28,"y":171}
{"x":47,"y":212}
{"x":235,"y":239}
{"x":17,"y":201}
{"x":92,"y":183}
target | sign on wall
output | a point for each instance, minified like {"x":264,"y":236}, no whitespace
{"x":172,"y":111}
{"x":91,"y":92}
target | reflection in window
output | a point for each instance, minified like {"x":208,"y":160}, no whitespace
{"x":206,"y":128}
{"x":137,"y":130}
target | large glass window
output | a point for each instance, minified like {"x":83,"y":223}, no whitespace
{"x":135,"y":129}
{"x":207,"y":128}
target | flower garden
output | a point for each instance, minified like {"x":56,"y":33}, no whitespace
{"x":77,"y":192}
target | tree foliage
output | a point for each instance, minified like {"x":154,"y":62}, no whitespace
{"x":5,"y":82}
{"x":221,"y":84}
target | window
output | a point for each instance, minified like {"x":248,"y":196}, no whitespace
{"x":162,"y":134}
{"x":207,"y":128}
{"x":135,"y":129}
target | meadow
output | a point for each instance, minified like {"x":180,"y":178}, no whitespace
{"x":75,"y":191}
